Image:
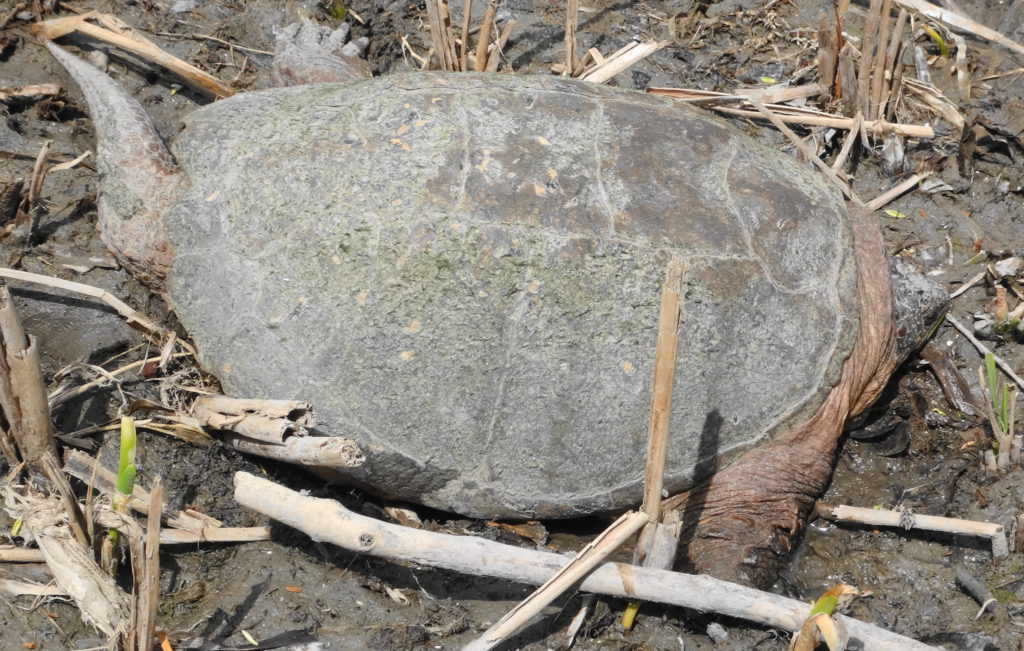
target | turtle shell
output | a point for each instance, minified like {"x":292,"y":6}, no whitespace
{"x":462,"y":273}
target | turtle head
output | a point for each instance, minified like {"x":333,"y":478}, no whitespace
{"x":918,"y":305}
{"x":139,"y":179}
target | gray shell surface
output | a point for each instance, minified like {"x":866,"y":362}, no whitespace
{"x":462,"y":273}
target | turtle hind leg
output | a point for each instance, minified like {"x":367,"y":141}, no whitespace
{"x":305,"y":53}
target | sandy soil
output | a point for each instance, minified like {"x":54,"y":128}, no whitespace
{"x":213,"y":593}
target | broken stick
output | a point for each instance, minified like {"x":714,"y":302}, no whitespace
{"x":903,"y":519}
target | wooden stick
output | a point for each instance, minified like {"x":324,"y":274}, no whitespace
{"x":10,"y":402}
{"x":127,"y":39}
{"x":122,"y":308}
{"x":806,"y":151}
{"x":868,"y":43}
{"x":614,"y":65}
{"x":891,"y":55}
{"x":328,"y":521}
{"x":441,"y":35}
{"x":896,"y":190}
{"x":467,"y":12}
{"x":484,"y":39}
{"x":878,"y":68}
{"x":791,"y":114}
{"x":661,"y":390}
{"x":214,"y":534}
{"x":270,"y":421}
{"x":29,"y":422}
{"x":494,"y":58}
{"x":589,"y":557}
{"x":837,"y":122}
{"x":848,"y":143}
{"x":14,"y":588}
{"x":148,"y":585}
{"x":772,"y":97}
{"x":905,"y":520}
{"x":12,"y":554}
{"x":322,"y":452}
{"x":571,"y":19}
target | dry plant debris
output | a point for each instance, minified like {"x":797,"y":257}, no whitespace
{"x":882,"y":83}
{"x":593,"y":66}
{"x":38,"y":495}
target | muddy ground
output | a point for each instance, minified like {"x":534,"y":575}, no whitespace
{"x":212,"y":593}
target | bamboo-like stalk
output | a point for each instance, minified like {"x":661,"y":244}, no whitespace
{"x":903,"y":186}
{"x":867,"y":59}
{"x":878,"y":68}
{"x":467,"y":11}
{"x":571,"y":19}
{"x":662,"y":384}
{"x":589,"y":557}
{"x":484,"y":39}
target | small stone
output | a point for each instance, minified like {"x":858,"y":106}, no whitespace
{"x":717,"y":633}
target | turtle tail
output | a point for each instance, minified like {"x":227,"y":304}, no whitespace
{"x":139,"y":178}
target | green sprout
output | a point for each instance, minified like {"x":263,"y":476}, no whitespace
{"x":1000,"y":402}
{"x":126,"y":463}
{"x":937,"y":39}
{"x":125,"y":485}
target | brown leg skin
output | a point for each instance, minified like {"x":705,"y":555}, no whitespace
{"x":743,"y":521}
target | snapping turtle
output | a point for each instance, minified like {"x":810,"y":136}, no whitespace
{"x":461,"y":272}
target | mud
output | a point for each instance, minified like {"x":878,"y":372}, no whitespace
{"x":345,"y":601}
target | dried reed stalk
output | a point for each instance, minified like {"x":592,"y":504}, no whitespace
{"x":571,"y":19}
{"x":483,"y":42}
{"x":467,"y":12}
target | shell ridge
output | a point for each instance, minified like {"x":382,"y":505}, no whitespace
{"x":596,"y":120}
{"x":826,"y":288}
{"x":515,"y":316}
{"x":467,"y":159}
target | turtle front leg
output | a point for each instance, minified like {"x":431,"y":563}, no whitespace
{"x":305,"y":53}
{"x":743,"y":522}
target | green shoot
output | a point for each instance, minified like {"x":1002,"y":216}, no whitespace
{"x":126,"y":462}
{"x":1000,"y":402}
{"x":937,"y":39}
{"x":125,"y":485}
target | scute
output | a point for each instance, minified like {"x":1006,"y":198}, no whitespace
{"x":462,"y":272}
